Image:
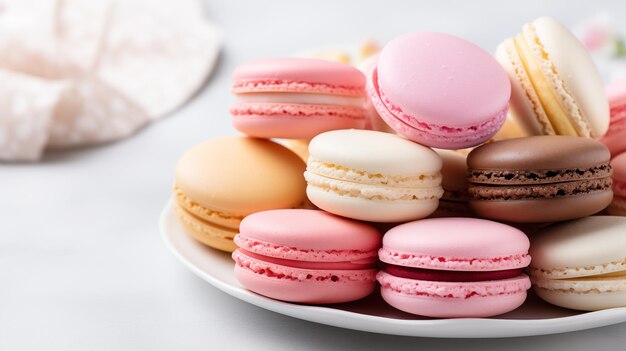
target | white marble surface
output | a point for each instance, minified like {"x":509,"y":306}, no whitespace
{"x":82,"y":266}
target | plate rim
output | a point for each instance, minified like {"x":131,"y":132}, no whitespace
{"x":401,"y":327}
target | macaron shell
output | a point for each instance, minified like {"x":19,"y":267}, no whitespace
{"x":467,"y":244}
{"x":313,"y":286}
{"x":575,"y":248}
{"x":310,"y":292}
{"x":374,"y":152}
{"x":310,"y":230}
{"x":543,"y":210}
{"x":435,"y":65}
{"x":212,"y":235}
{"x":298,"y":75}
{"x":240,"y":175}
{"x":539,"y":153}
{"x":296,"y":121}
{"x":387,"y":211}
{"x":448,"y":300}
{"x":524,"y":105}
{"x":583,"y":302}
{"x":440,"y":136}
{"x":577,"y":70}
{"x":439,"y":307}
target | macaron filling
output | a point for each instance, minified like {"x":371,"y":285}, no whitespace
{"x":499,"y":176}
{"x":450,"y":276}
{"x":356,"y":183}
{"x":543,"y":191}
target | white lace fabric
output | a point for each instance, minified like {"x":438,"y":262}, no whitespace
{"x":76,"y":72}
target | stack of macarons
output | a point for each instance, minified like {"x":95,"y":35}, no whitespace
{"x":467,"y":226}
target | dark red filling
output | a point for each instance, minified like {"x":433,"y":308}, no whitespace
{"x":450,"y":276}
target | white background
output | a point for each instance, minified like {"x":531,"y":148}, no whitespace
{"x":82,"y":266}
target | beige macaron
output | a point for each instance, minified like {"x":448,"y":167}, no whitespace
{"x":221,"y":181}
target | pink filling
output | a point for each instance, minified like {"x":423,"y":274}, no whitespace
{"x":294,"y":254}
{"x":450,"y":276}
{"x":398,"y":258}
{"x":275,"y":270}
{"x":294,"y":86}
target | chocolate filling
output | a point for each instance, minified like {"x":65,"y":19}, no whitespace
{"x":450,"y":276}
{"x":540,"y":191}
{"x":510,"y":177}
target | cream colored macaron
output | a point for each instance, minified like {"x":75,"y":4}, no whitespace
{"x":556,"y":87}
{"x":581,"y":264}
{"x":372,"y":176}
{"x":221,"y":181}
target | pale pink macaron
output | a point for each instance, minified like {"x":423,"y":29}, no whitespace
{"x":618,"y":205}
{"x":615,"y":137}
{"x":297,"y":98}
{"x":439,"y":90}
{"x":454,"y":267}
{"x":306,"y":256}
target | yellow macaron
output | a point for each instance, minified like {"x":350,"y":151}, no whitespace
{"x":221,"y":181}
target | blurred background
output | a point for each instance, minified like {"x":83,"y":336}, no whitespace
{"x":82,"y":266}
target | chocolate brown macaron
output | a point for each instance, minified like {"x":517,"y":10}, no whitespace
{"x":539,"y":179}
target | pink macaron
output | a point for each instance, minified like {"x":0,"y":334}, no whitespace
{"x":439,"y":90}
{"x":618,"y":205}
{"x":454,"y":267}
{"x":297,"y":98}
{"x":615,"y":137}
{"x":306,"y":256}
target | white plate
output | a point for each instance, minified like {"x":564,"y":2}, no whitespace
{"x":371,"y":314}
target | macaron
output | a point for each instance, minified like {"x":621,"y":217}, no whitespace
{"x":539,"y":179}
{"x":454,"y":267}
{"x":581,"y":264}
{"x":615,"y":138}
{"x":297,"y":98}
{"x":221,"y":181}
{"x":372,"y":176}
{"x":455,"y":199}
{"x":556,"y":87}
{"x":306,"y":256}
{"x":439,"y":90}
{"x":618,"y":205}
